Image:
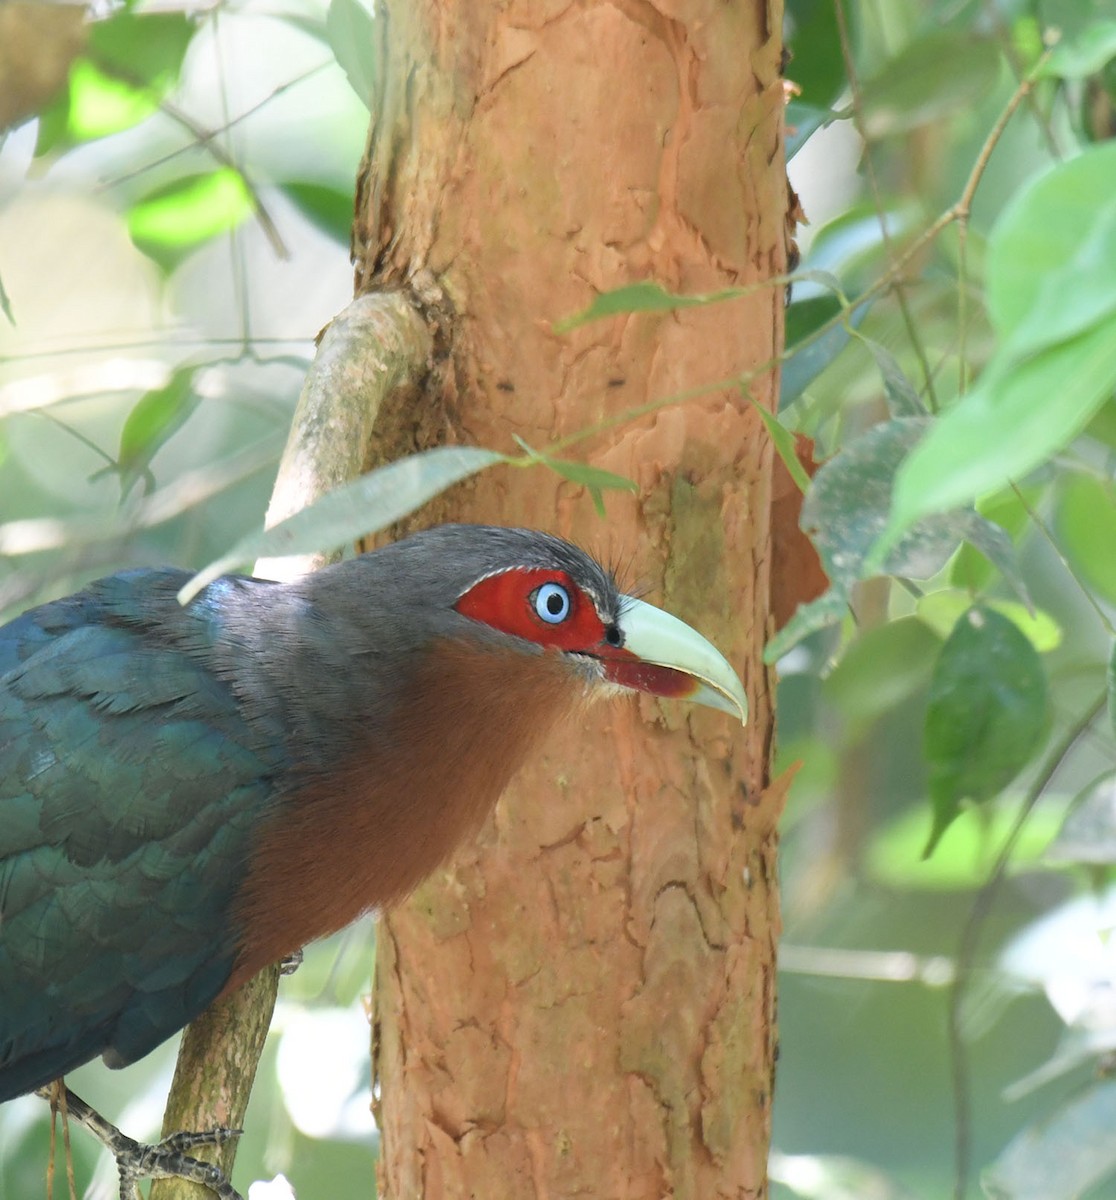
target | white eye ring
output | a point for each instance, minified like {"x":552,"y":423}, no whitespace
{"x":552,"y":603}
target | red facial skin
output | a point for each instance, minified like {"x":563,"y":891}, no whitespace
{"x":506,"y":602}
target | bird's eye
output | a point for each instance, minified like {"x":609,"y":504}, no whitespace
{"x":552,"y":603}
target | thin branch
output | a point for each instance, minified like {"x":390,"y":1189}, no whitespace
{"x":207,"y":136}
{"x":1044,"y":529}
{"x":1007,"y":48}
{"x":970,"y":938}
{"x":378,"y":345}
{"x":374,"y":348}
{"x":877,"y":201}
{"x":964,"y":208}
{"x":202,"y":135}
{"x":876,"y":966}
{"x":161,"y":337}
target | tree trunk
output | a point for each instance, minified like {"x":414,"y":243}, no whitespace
{"x":582,"y":1003}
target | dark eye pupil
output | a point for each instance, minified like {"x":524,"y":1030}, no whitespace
{"x":555,"y":604}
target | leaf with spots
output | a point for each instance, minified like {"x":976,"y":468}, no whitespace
{"x":846,"y":510}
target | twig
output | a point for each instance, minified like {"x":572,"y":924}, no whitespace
{"x":970,"y":937}
{"x":1052,"y":541}
{"x":376,"y":346}
{"x":877,"y":201}
{"x":1007,"y":47}
{"x":206,"y":136}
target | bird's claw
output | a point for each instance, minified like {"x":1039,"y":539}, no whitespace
{"x":167,"y":1159}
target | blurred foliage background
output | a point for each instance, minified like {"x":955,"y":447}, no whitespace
{"x":175,"y":197}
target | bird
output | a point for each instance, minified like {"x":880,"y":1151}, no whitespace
{"x":189,"y":793}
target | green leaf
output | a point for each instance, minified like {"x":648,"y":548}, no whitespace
{"x":131,"y":62}
{"x":351,"y":30}
{"x":846,"y":511}
{"x":357,"y":509}
{"x":641,"y":297}
{"x":1088,"y":834}
{"x":595,"y":479}
{"x":1071,"y":298}
{"x":54,"y":123}
{"x":805,"y":317}
{"x":99,"y":104}
{"x":808,"y":618}
{"x":803,"y":121}
{"x":815,"y":45}
{"x":985,"y":716}
{"x":1027,"y":40}
{"x":783,"y":440}
{"x":854,"y":245}
{"x":154,"y":420}
{"x":1102,"y":427}
{"x":1084,"y":55}
{"x":995,"y":544}
{"x":329,"y":208}
{"x":942,"y":610}
{"x":1050,"y":235}
{"x":908,"y":92}
{"x":1064,"y":1155}
{"x":145,"y":49}
{"x":972,"y":571}
{"x":881,"y":669}
{"x":1052,"y":297}
{"x":805,"y":360}
{"x":173,"y":220}
{"x":1009,"y":424}
{"x":1085,"y":519}
{"x":649,"y":296}
{"x":966,"y":852}
{"x":902,"y":398}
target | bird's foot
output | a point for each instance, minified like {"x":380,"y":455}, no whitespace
{"x":167,"y":1159}
{"x":290,"y":963}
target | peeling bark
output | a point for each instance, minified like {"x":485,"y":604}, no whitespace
{"x":583,"y":1002}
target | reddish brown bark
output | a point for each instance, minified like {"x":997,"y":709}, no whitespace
{"x":797,"y":576}
{"x":583,"y":1002}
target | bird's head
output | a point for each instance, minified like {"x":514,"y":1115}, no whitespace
{"x":501,"y":584}
{"x":414,"y":681}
